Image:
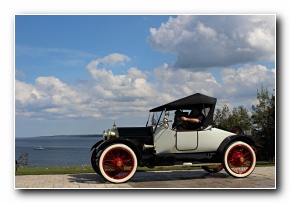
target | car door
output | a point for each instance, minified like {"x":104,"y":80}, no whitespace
{"x":186,"y":140}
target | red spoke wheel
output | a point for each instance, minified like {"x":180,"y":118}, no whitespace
{"x":213,"y":168}
{"x":118,"y":163}
{"x":239,"y":159}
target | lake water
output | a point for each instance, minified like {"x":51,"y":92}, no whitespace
{"x":59,"y":150}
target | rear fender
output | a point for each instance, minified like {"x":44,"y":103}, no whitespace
{"x":233,"y":138}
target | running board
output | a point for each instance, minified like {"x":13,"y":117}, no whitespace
{"x":199,"y":164}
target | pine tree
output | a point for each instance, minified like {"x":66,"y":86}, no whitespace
{"x":264,"y":123}
{"x":226,"y":120}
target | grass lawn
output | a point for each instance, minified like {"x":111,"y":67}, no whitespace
{"x":89,"y":169}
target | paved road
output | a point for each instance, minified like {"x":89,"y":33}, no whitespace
{"x":262,"y":177}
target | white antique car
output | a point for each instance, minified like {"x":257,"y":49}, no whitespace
{"x":123,"y":149}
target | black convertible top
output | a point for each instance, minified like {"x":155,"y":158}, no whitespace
{"x":188,"y":102}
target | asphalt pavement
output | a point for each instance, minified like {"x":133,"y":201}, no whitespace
{"x":261,"y":178}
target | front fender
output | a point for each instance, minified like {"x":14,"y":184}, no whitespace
{"x":127,"y":142}
{"x":96,"y":145}
{"x":245,"y":138}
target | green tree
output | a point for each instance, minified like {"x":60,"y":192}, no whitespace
{"x":23,"y":160}
{"x":263,"y":118}
{"x":240,"y":117}
{"x":221,"y":116}
{"x":226,"y":120}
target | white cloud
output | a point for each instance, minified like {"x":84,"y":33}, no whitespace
{"x":115,"y":59}
{"x":216,"y":40}
{"x":240,"y":86}
{"x":121,"y":87}
{"x":110,"y":95}
{"x":25,"y":93}
{"x":48,"y":95}
{"x":114,"y":96}
{"x":261,"y":39}
{"x":181,"y":82}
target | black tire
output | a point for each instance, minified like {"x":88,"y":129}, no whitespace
{"x":239,"y":159}
{"x":94,"y":162}
{"x":213,"y":168}
{"x":118,"y":163}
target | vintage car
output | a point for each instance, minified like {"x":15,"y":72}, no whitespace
{"x":122,"y":149}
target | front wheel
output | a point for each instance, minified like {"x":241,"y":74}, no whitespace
{"x":118,"y":163}
{"x":94,"y":162}
{"x":239,"y":159}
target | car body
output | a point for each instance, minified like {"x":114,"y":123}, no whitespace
{"x":122,"y":149}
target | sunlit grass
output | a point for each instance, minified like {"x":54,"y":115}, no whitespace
{"x":89,"y":169}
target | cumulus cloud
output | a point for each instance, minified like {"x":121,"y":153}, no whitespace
{"x":49,"y":95}
{"x":25,"y":93}
{"x":216,"y":40}
{"x":181,"y":82}
{"x":115,"y":96}
{"x":239,"y":82}
{"x":121,"y":87}
{"x":115,"y":59}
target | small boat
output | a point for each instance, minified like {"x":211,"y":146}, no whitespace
{"x":39,"y":148}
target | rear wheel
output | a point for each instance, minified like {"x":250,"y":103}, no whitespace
{"x":239,"y":159}
{"x":118,"y":163}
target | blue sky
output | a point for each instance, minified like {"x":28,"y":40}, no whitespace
{"x":67,"y":42}
{"x":77,"y":74}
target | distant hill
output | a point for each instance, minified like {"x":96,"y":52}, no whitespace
{"x":90,"y":135}
{"x":64,"y":136}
